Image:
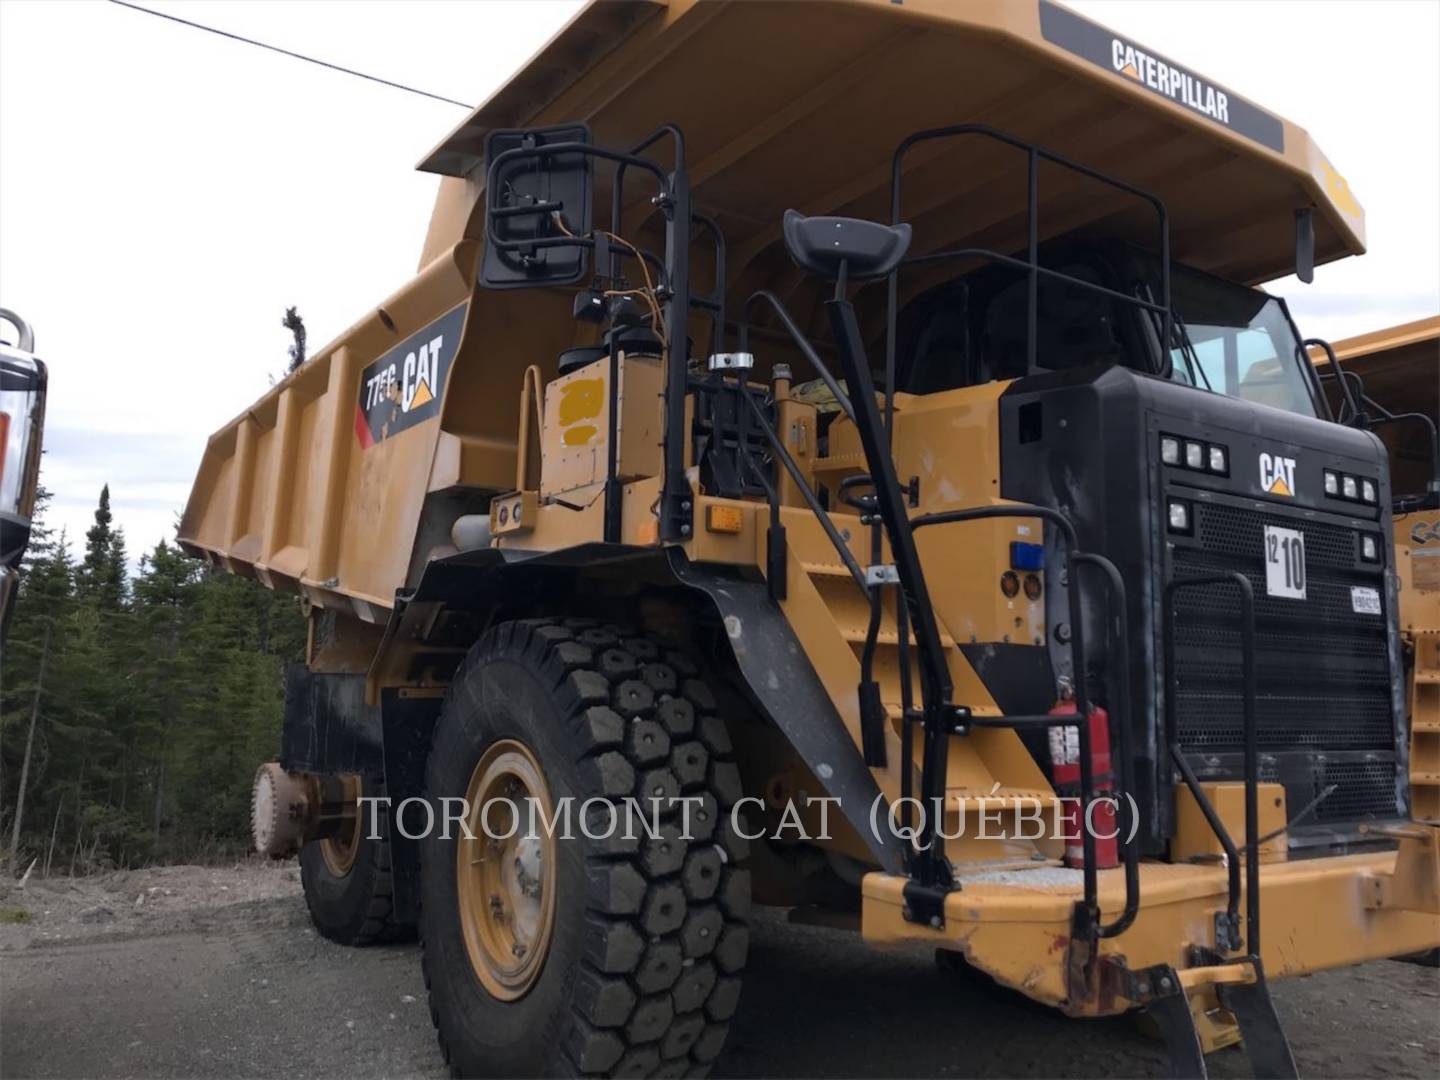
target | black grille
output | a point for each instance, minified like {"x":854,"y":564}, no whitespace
{"x":1323,"y":683}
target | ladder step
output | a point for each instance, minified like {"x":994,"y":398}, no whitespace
{"x":890,"y":637}
{"x":1424,"y":779}
{"x":956,"y":798}
{"x":816,"y":569}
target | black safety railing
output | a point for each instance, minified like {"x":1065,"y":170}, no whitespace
{"x":925,"y":858}
{"x":1034,"y":155}
{"x":939,"y":719}
{"x":938,"y":716}
{"x":672,"y":289}
{"x":1227,"y":933}
{"x":1359,"y":410}
{"x":933,"y":769}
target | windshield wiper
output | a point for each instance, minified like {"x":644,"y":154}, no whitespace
{"x":1187,"y":349}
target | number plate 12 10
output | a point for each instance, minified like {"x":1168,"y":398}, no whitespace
{"x":1285,"y":562}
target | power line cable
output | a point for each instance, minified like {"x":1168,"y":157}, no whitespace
{"x":287,"y":52}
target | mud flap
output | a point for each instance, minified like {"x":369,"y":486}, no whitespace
{"x":782,"y":680}
{"x":1265,"y":1042}
{"x":1170,"y":1010}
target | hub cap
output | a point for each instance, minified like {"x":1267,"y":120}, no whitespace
{"x":339,"y":850}
{"x":505,"y":878}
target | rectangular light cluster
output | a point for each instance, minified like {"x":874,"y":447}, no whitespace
{"x":1341,"y":485}
{"x":1194,"y":454}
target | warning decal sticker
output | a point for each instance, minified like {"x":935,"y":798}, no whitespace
{"x":404,"y":387}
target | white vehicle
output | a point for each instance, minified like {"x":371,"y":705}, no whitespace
{"x":22,"y":419}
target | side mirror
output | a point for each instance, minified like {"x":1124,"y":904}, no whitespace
{"x":538,"y":186}
{"x":866,"y":249}
{"x":1305,"y":245}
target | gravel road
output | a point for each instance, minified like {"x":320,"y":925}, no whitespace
{"x":217,"y":973}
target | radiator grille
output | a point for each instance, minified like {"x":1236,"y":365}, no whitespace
{"x":1323,"y":681}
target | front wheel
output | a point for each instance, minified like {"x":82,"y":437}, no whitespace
{"x":572,"y":939}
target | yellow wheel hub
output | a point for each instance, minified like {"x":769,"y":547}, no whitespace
{"x":339,"y":850}
{"x":505,"y":877}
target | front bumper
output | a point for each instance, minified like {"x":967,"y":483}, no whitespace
{"x":1014,"y":923}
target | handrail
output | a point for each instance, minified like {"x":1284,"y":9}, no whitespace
{"x":1034,"y":154}
{"x":1359,"y":418}
{"x":1080,"y":718}
{"x":1120,"y":711}
{"x":1252,"y":756}
{"x":1357,"y":414}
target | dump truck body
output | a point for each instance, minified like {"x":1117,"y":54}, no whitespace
{"x":1094,"y":471}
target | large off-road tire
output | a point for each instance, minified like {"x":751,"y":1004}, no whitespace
{"x":349,"y":887}
{"x":629,"y":949}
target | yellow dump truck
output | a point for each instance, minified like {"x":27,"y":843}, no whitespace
{"x":1392,"y":386}
{"x":847,"y":438}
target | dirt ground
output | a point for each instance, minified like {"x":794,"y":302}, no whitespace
{"x":215,"y":972}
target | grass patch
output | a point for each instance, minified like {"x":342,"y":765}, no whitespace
{"x":12,"y":915}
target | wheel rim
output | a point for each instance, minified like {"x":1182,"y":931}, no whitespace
{"x":505,"y":879}
{"x":339,"y":850}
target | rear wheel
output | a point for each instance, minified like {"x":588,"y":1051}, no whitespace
{"x":597,"y":951}
{"x":348,"y":883}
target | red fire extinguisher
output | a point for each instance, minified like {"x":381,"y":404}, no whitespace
{"x":1065,"y":765}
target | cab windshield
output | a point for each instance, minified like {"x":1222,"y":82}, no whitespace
{"x":1228,"y":339}
{"x":1238,"y":342}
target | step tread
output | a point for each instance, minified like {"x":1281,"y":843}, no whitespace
{"x":891,"y":637}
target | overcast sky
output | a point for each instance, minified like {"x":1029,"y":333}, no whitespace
{"x":165,"y":193}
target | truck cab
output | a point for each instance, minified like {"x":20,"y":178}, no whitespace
{"x":1218,"y":453}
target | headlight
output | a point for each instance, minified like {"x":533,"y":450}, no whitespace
{"x":1218,"y":462}
{"x":1332,"y":483}
{"x":1367,"y":490}
{"x":1369,"y":548}
{"x":1348,"y":487}
{"x":1179,"y":516}
{"x":1194,"y":455}
{"x":1170,"y":450}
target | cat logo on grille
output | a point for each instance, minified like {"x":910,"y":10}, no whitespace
{"x":1277,"y":475}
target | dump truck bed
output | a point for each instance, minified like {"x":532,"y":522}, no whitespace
{"x":782,"y":105}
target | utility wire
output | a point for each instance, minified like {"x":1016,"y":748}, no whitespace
{"x":287,"y":52}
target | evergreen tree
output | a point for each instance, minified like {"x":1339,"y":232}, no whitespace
{"x":151,"y":703}
{"x":36,"y":634}
{"x":102,"y":571}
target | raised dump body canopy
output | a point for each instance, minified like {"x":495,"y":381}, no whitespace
{"x":343,"y":480}
{"x":1399,"y":368}
{"x":803,"y":105}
